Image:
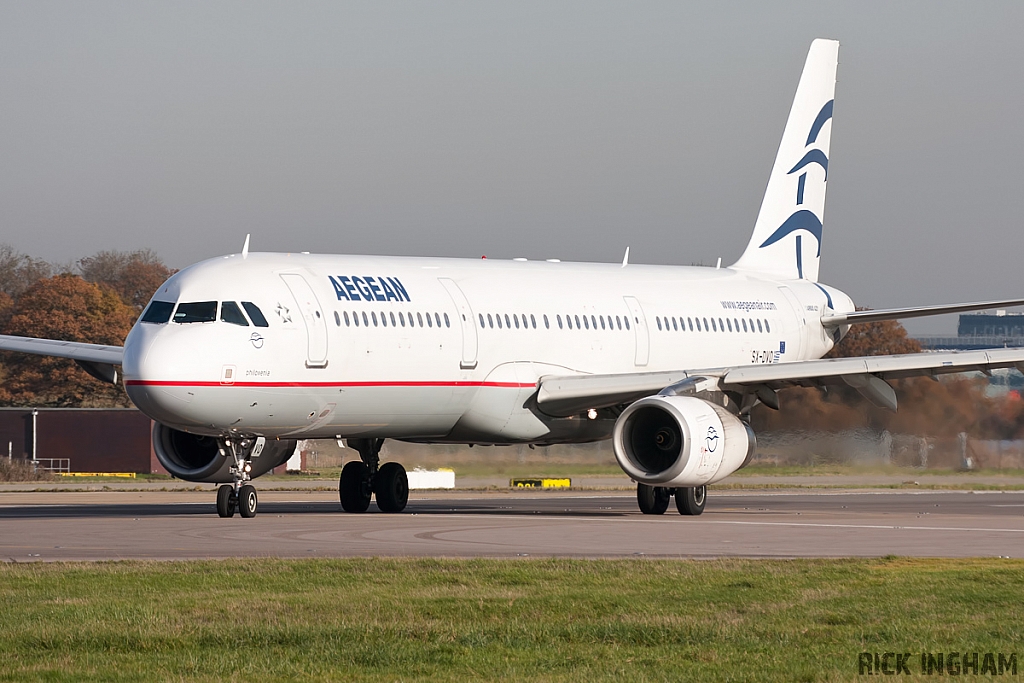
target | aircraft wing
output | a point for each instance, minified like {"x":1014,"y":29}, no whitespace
{"x":562,"y":396}
{"x":873,"y":316}
{"x":96,"y":359}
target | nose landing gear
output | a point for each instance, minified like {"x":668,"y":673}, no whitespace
{"x":361,"y":480}
{"x":240,"y":495}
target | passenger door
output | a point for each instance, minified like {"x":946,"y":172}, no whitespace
{"x":312,"y":316}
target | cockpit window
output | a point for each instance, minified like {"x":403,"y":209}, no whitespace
{"x":255,"y":314}
{"x":198,"y":312}
{"x":231,"y":313}
{"x":158,"y":312}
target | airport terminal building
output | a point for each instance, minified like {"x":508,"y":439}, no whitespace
{"x":980,"y":331}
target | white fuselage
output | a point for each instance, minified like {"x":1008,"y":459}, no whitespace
{"x":445,"y":350}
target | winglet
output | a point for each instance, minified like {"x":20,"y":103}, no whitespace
{"x":245,"y":247}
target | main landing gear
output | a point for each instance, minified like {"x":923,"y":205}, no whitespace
{"x":366,"y":478}
{"x":653,"y":500}
{"x":240,"y":495}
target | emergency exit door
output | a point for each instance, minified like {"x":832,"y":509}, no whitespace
{"x":640,"y":332}
{"x":466,"y":322}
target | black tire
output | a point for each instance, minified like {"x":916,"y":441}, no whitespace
{"x":247,"y":501}
{"x":391,"y":487}
{"x":226,"y":501}
{"x":354,"y":487}
{"x":691,"y":501}
{"x":653,"y":500}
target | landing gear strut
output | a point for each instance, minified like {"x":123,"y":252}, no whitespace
{"x":240,"y":495}
{"x":653,"y":500}
{"x":360,"y":480}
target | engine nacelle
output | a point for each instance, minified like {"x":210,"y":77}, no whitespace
{"x":199,"y":458}
{"x":675,"y":441}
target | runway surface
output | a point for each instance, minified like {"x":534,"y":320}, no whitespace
{"x":183,"y":524}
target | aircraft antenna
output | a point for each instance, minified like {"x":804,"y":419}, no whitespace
{"x":245,"y":247}
{"x":625,"y":258}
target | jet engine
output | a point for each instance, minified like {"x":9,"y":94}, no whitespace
{"x":193,"y":457}
{"x":680,"y":441}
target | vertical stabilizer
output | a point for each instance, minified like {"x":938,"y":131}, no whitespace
{"x":786,"y":243}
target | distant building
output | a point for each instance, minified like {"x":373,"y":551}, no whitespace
{"x":980,"y":331}
{"x":985,"y":331}
{"x":79,"y":439}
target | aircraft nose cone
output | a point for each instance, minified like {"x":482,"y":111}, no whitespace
{"x":134,"y":355}
{"x":149,"y":363}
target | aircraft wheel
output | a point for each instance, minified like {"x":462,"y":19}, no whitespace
{"x":653,"y":500}
{"x":391,"y":487}
{"x":690,"y":501}
{"x":354,"y":487}
{"x":247,"y":501}
{"x":226,"y":501}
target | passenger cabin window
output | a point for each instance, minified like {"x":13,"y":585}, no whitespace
{"x":158,"y":312}
{"x":197,"y":312}
{"x":255,"y":314}
{"x":231,"y":313}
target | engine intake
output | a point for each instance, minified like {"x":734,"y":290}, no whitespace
{"x":680,"y":441}
{"x":193,"y":457}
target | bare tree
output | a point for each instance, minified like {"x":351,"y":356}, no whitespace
{"x":134,"y":275}
{"x":20,"y":271}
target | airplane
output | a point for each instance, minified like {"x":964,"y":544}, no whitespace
{"x":237,"y":357}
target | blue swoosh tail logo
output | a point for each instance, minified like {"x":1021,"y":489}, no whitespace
{"x":815,"y":156}
{"x":824,"y":115}
{"x":801,"y":220}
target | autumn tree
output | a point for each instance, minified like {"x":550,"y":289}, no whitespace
{"x":942,"y":408}
{"x":63,"y":307}
{"x":6,"y":309}
{"x":883,"y":338}
{"x":134,"y":275}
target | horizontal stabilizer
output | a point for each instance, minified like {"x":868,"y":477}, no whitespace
{"x":855,"y":317}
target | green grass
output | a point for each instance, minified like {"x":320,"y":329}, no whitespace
{"x":447,"y":620}
{"x":770,"y":470}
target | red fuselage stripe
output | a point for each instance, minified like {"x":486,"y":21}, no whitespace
{"x":177,"y":383}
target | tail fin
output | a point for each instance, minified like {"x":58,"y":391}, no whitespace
{"x":786,"y":243}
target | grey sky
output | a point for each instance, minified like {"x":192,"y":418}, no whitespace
{"x":537,"y":129}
